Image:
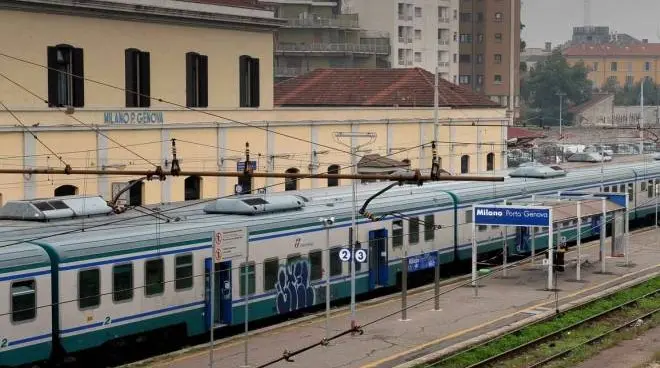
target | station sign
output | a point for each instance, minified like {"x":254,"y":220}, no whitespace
{"x":511,"y":215}
{"x":240,"y":166}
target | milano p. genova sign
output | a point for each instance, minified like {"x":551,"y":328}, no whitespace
{"x":511,"y":216}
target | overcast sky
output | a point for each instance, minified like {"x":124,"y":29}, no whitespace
{"x":553,"y":20}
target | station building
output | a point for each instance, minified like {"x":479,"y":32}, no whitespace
{"x":208,"y":67}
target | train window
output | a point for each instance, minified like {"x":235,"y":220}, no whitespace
{"x":643,"y":186}
{"x":293,"y":258}
{"x":468,"y":216}
{"x":606,"y":189}
{"x":315,"y":264}
{"x":251,"y":283}
{"x":429,"y":227}
{"x":335,"y":262}
{"x":122,"y":282}
{"x":397,"y":233}
{"x":631,"y":192}
{"x":413,"y":230}
{"x":651,"y":189}
{"x":153,"y":277}
{"x":23,"y":301}
{"x":271,"y":268}
{"x":183,"y":271}
{"x":89,"y":288}
{"x":622,"y":188}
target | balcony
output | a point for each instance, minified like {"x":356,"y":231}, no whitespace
{"x":318,"y":22}
{"x":405,"y":17}
{"x":443,"y":20}
{"x":443,"y":64}
{"x":289,"y":72}
{"x":443,"y":41}
{"x":332,"y":48}
{"x":405,"y":40}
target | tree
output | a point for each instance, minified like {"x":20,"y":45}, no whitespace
{"x":523,"y":44}
{"x":550,"y":77}
{"x":630,"y":94}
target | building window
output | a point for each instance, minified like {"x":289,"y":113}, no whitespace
{"x":466,"y":38}
{"x":397,"y":233}
{"x":455,"y":57}
{"x":154,"y":279}
{"x":498,"y":37}
{"x":429,"y":227}
{"x":183,"y":271}
{"x":138,"y":79}
{"x":647,"y":66}
{"x":480,"y":58}
{"x":89,"y":288}
{"x":418,"y":34}
{"x":333,"y":169}
{"x":249,"y":81}
{"x":315,"y":265}
{"x":498,"y":58}
{"x":629,"y":81}
{"x":335,"y":262}
{"x":455,"y":14}
{"x":192,"y":188}
{"x":23,"y":301}
{"x":418,"y":12}
{"x":613,"y":66}
{"x":455,"y":36}
{"x":595,"y":66}
{"x":465,"y":58}
{"x":480,"y":17}
{"x":197,"y":80}
{"x":66,"y":76}
{"x":66,"y":190}
{"x":490,"y":162}
{"x":498,"y":17}
{"x":418,"y":57}
{"x":480,"y":80}
{"x":251,"y":281}
{"x":466,"y":17}
{"x":413,"y":230}
{"x":122,"y":282}
{"x":497,"y":78}
{"x":464,"y":79}
{"x":465,"y":164}
{"x":271,"y":268}
{"x":291,"y":183}
{"x":630,"y":66}
{"x":135,"y":193}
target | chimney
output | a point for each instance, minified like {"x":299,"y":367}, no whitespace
{"x":548,"y":46}
{"x":645,"y":40}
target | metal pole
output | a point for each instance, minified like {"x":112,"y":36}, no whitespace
{"x":404,"y":286}
{"x":641,"y":120}
{"x":327,"y":280}
{"x":504,"y":249}
{"x":655,"y":194}
{"x":579,"y":240}
{"x":474,"y":255}
{"x":247,"y":301}
{"x":212,"y":324}
{"x":533,"y":234}
{"x":354,"y":231}
{"x":550,"y":251}
{"x":603,"y":231}
{"x":626,"y":237}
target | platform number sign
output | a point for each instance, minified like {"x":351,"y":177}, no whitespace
{"x":345,"y":254}
{"x":217,"y":246}
{"x":361,"y":255}
{"x":4,"y":343}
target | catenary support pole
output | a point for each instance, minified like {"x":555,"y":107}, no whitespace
{"x":474,"y":255}
{"x":327,"y":279}
{"x":579,"y":241}
{"x":533,"y":235}
{"x":626,"y":234}
{"x":550,"y":251}
{"x":603,"y":234}
{"x":212,"y":312}
{"x":404,"y":286}
{"x":505,"y":249}
{"x":247,"y":304}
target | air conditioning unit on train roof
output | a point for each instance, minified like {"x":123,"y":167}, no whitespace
{"x":538,"y":172}
{"x":54,"y":208}
{"x":252,"y":205}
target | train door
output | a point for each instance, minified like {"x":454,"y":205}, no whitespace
{"x":522,"y":240}
{"x":222,"y":293}
{"x":378,"y":271}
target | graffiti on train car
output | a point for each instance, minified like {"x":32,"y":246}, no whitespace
{"x":293,"y":287}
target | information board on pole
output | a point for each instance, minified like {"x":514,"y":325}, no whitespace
{"x":229,"y":244}
{"x":511,"y":215}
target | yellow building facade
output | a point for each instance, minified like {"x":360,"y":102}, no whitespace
{"x":619,"y":64}
{"x":46,"y":122}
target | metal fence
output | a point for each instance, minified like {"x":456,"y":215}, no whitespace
{"x":324,"y":22}
{"x":334,"y":47}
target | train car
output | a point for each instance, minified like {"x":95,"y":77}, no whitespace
{"x":147,"y":272}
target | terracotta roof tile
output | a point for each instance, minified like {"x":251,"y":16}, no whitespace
{"x":644,"y":49}
{"x":520,"y":133}
{"x":373,"y":87}
{"x":253,"y":4}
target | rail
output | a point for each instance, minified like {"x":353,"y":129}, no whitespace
{"x":333,"y":48}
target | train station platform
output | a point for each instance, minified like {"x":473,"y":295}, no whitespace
{"x":501,"y":301}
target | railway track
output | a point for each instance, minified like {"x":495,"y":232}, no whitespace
{"x":537,"y":342}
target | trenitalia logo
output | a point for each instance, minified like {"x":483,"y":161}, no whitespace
{"x":487,"y":212}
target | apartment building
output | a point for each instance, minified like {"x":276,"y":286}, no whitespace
{"x":424,"y":33}
{"x":485,"y":48}
{"x":318,"y":35}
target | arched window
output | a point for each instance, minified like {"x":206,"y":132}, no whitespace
{"x":465,"y":164}
{"x":490,"y":162}
{"x":291,"y":184}
{"x":192,"y":188}
{"x":66,"y":190}
{"x":333,"y":169}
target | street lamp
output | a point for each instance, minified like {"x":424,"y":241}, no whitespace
{"x":327,"y":224}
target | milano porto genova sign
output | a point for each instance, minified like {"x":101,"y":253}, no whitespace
{"x":511,"y":215}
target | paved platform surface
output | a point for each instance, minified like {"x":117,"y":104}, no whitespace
{"x":392,"y":341}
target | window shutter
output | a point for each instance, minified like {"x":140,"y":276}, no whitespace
{"x":77,"y":67}
{"x":130,"y":72}
{"x":243,"y":80}
{"x":190,"y":79}
{"x":254,"y":83}
{"x":145,"y":80}
{"x":52,"y":76}
{"x":203,"y":81}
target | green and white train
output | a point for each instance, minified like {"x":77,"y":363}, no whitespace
{"x":66,"y":291}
